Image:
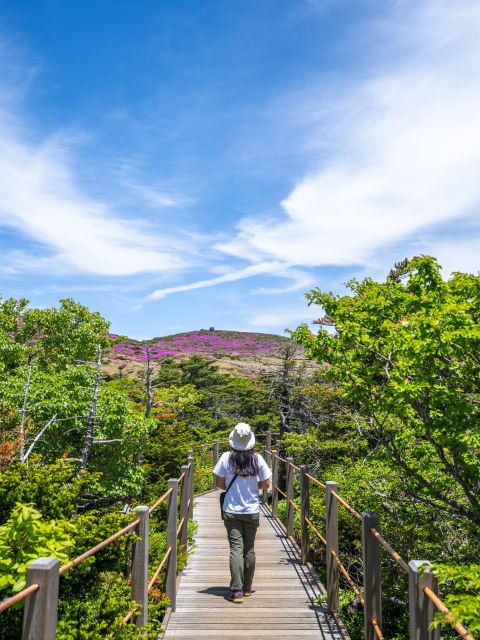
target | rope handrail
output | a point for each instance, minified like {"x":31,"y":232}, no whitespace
{"x":278,"y":458}
{"x":150,"y":585}
{"x":393,"y":553}
{"x":104,"y":543}
{"x":294,"y":506}
{"x":201,"y":470}
{"x":188,"y":503}
{"x":345,"y":504}
{"x":9,"y":602}
{"x":459,"y":628}
{"x":180,"y":526}
{"x":257,"y":435}
{"x":155,"y":575}
{"x":273,"y":433}
{"x":127,"y":618}
{"x":160,"y":500}
{"x":181,"y":477}
{"x":349,"y":579}
{"x":377,"y":629}
{"x":99,"y":546}
{"x":294,"y":466}
{"x":315,"y":480}
{"x":280,"y":491}
{"x":318,"y":534}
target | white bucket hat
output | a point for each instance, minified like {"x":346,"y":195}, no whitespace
{"x":242,"y":437}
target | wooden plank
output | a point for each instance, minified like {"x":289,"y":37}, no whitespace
{"x":276,"y":611}
{"x":239,"y":615}
{"x":242,"y":625}
{"x":267,"y":633}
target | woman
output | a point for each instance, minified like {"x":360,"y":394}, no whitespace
{"x":241,"y":507}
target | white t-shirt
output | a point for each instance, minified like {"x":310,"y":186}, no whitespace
{"x":242,"y":496}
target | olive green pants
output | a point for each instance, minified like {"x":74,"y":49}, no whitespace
{"x":241,"y":531}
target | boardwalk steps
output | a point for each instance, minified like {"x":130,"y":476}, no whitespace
{"x":280,"y":605}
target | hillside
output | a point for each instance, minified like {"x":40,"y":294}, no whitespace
{"x":235,"y":352}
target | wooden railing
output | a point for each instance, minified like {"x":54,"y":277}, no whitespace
{"x":41,"y":592}
{"x":43,"y":575}
{"x":423,"y":586}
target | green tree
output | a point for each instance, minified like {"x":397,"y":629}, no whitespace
{"x":223,"y":399}
{"x":408,"y":355}
{"x":66,"y":395}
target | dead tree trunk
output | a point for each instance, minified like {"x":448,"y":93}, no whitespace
{"x":149,"y":376}
{"x":24,"y":409}
{"x":88,"y":440}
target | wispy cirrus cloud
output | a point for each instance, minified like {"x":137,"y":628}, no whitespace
{"x":240,"y":274}
{"x":75,"y":233}
{"x":60,"y":228}
{"x":403,"y":147}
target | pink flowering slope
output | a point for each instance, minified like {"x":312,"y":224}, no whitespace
{"x":204,"y":343}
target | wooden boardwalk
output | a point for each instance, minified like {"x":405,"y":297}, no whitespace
{"x":280,"y":604}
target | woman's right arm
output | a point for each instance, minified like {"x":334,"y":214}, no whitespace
{"x":220,"y":482}
{"x":264,"y":484}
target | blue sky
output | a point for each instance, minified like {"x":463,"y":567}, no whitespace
{"x":181,"y":165}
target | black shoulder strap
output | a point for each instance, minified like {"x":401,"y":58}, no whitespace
{"x":231,"y":482}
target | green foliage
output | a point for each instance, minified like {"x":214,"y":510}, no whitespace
{"x":11,"y":349}
{"x":166,"y":452}
{"x":223,"y":400}
{"x":25,"y":538}
{"x":63,"y":335}
{"x":102,"y":613}
{"x":55,"y":337}
{"x":465,"y":606}
{"x":408,"y":355}
{"x":67,"y":393}
{"x":53,"y":489}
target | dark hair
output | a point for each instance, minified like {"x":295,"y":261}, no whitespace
{"x":244,"y":463}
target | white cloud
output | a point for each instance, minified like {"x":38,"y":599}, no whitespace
{"x":151,"y":195}
{"x":404,"y":148}
{"x":301,"y":280}
{"x":68,"y":289}
{"x":72,"y":232}
{"x":256,"y":269}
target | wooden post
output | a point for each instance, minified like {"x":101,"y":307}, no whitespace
{"x":290,"y":509}
{"x":332,"y":545}
{"x":265,"y":491}
{"x":40,"y":614}
{"x":215,"y":460}
{"x":191,"y":478}
{"x":269,"y":448}
{"x":139,"y":575}
{"x":421,"y":607}
{"x":305,"y":513}
{"x":171,"y":564}
{"x":372,"y":589}
{"x":274,"y":484}
{"x":184,"y":509}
